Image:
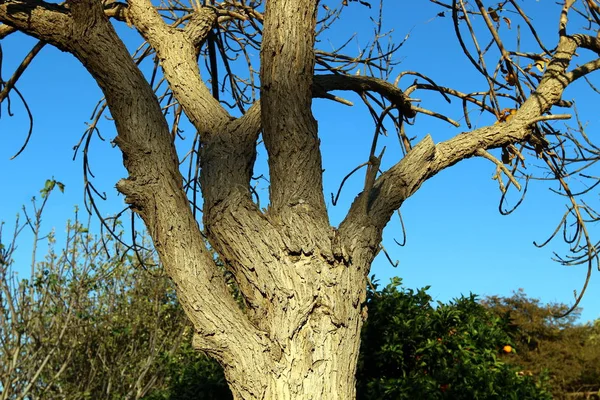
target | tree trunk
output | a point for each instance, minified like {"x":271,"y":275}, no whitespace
{"x":317,"y":340}
{"x":315,"y":332}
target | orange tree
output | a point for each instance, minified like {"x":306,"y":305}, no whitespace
{"x":570,"y":352}
{"x":411,"y":349}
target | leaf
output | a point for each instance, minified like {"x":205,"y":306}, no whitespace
{"x":47,"y":187}
{"x":49,"y":184}
{"x":61,"y":186}
{"x":507,"y":22}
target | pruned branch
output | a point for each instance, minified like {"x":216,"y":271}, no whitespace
{"x":360,"y":84}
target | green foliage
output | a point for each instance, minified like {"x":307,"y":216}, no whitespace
{"x":570,"y":352}
{"x":412,"y":350}
{"x":49,"y":187}
{"x":191,"y":376}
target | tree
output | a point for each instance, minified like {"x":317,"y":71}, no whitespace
{"x":412,"y":350}
{"x":569,"y":352}
{"x":303,"y":281}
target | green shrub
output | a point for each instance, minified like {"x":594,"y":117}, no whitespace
{"x":411,"y":350}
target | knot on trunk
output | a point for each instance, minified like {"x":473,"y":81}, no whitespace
{"x":130,"y":188}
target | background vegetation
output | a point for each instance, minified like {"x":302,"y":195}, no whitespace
{"x":95,"y":322}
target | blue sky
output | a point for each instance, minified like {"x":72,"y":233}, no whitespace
{"x":457,"y":240}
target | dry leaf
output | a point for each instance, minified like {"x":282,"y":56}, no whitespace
{"x":493,"y":14}
{"x":541,"y":65}
{"x":511,"y":79}
{"x":506,"y":115}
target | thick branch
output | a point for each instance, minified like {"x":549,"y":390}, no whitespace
{"x":240,"y":233}
{"x":177,"y":52}
{"x":154,"y":187}
{"x":322,"y":84}
{"x":289,"y":129}
{"x":588,"y":42}
{"x":372,"y":209}
{"x":48,"y":22}
{"x":232,"y":221}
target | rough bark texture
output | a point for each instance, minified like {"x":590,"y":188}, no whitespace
{"x":302,"y":280}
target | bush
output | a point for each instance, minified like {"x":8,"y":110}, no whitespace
{"x":412,"y":350}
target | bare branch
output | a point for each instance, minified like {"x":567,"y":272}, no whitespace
{"x":375,"y":207}
{"x":8,"y":85}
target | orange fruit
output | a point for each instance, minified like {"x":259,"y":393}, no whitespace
{"x":507,"y":349}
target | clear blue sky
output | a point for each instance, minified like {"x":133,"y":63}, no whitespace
{"x":457,"y":240}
